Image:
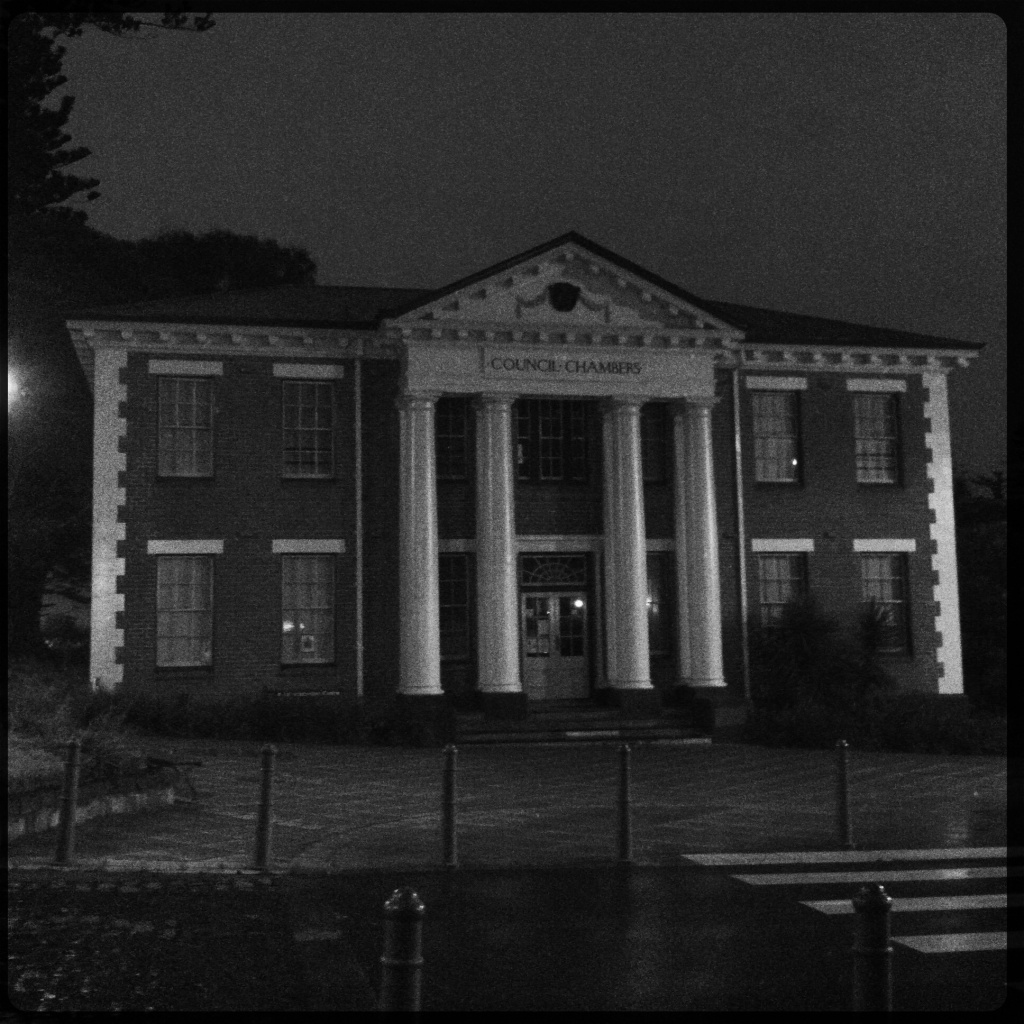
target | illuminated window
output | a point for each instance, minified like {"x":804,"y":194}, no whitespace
{"x":451,"y":421}
{"x":884,"y":594}
{"x":307,"y":609}
{"x":876,"y":428}
{"x":776,"y":437}
{"x":783,"y":584}
{"x":184,"y":610}
{"x":308,"y":428}
{"x":186,"y":426}
{"x":659,"y":603}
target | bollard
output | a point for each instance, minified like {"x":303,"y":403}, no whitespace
{"x":451,"y":855}
{"x":872,"y":953}
{"x":263,"y":818}
{"x":843,"y":821}
{"x":402,"y":962}
{"x":69,"y":803}
{"x":625,"y":836}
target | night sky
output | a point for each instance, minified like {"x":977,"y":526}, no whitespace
{"x":848,"y":166}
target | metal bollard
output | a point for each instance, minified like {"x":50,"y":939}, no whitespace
{"x":402,"y":962}
{"x":451,"y":854}
{"x":843,"y":822}
{"x":263,"y":818}
{"x":625,"y":836}
{"x":69,"y":803}
{"x":872,"y":953}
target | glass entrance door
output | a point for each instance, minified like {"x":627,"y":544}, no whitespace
{"x":554,"y":633}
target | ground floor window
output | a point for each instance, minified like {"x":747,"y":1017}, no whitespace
{"x":453,"y":577}
{"x":307,"y":609}
{"x":659,"y":603}
{"x":884,"y":596}
{"x":783,"y":584}
{"x":184,"y":610}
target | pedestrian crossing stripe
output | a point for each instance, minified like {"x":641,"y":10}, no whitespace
{"x":846,"y":856}
{"x":966,"y":942}
{"x":984,"y":901}
{"x":873,"y":874}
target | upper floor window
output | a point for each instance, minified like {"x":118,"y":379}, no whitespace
{"x":876,"y":429}
{"x":185,"y":426}
{"x":884,"y":596}
{"x":451,"y":421}
{"x":307,"y":428}
{"x":184,"y":610}
{"x":551,"y":439}
{"x":654,"y":428}
{"x":776,"y":436}
{"x":783,"y":584}
{"x":453,"y":579}
{"x":307,"y":609}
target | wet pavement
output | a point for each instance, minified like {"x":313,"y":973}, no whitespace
{"x":162,"y":910}
{"x":353,"y":808}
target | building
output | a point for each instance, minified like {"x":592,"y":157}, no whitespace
{"x":561,"y":477}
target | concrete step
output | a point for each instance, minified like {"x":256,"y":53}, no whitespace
{"x":664,"y":736}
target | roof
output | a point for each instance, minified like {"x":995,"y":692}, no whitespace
{"x":342,"y":306}
{"x":291,"y":305}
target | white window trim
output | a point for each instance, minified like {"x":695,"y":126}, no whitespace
{"x":186,"y":368}
{"x":185,"y":547}
{"x":307,"y":547}
{"x":885,"y":545}
{"x":875,"y":384}
{"x":309,"y":371}
{"x":776,"y":383}
{"x":781,"y":546}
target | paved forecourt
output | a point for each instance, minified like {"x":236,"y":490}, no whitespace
{"x":354,"y":808}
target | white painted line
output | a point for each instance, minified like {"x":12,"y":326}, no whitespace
{"x":845,"y":856}
{"x":872,"y":875}
{"x":986,"y":901}
{"x":968,"y":942}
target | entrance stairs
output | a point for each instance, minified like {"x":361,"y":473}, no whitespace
{"x":577,"y":721}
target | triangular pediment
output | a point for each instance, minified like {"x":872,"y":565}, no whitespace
{"x":568,"y":284}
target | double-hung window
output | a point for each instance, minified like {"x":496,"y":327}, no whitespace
{"x":451,"y":427}
{"x":184,"y":610}
{"x":876,"y":429}
{"x":307,"y":609}
{"x":307,"y":428}
{"x":453,"y":578}
{"x":185,"y":426}
{"x":551,"y":440}
{"x":884,"y":595}
{"x":654,"y":428}
{"x":783,"y":585}
{"x":776,"y":437}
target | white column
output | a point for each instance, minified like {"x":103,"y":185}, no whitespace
{"x":702,"y":550}
{"x":419,"y":626}
{"x":498,"y":631}
{"x":624,"y":487}
{"x":611,"y":622}
{"x":681,"y":510}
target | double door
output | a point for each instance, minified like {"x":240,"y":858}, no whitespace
{"x":555,"y":644}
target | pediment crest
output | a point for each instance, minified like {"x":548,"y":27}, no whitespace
{"x":564,"y":288}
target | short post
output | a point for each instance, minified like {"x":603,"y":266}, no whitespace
{"x":872,"y":953}
{"x":843,"y":821}
{"x":402,"y":962}
{"x":69,"y":803}
{"x":625,"y":836}
{"x":263,"y":819}
{"x":451,"y":854}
